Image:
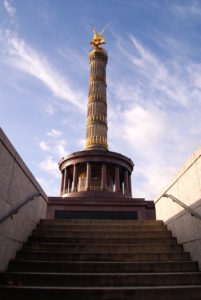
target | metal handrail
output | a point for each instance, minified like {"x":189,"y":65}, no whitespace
{"x":16,"y":209}
{"x":188,"y":208}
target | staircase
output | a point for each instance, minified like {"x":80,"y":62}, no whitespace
{"x":101,"y":259}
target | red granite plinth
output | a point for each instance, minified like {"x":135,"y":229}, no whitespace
{"x":145,"y":210}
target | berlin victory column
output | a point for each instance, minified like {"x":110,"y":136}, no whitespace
{"x":96,"y":171}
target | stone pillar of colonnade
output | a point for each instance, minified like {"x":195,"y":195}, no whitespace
{"x":126,"y":185}
{"x":104,"y":177}
{"x":88,"y":179}
{"x":117,"y":181}
{"x":75,"y":178}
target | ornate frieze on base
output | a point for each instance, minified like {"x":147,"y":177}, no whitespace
{"x":96,"y":140}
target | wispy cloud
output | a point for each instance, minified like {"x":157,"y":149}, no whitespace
{"x":155,"y":110}
{"x":55,"y":147}
{"x":59,"y":149}
{"x":43,"y":145}
{"x":192,"y":8}
{"x":159,"y":76}
{"x":21,"y":56}
{"x":151,"y":141}
{"x":50,"y":166}
{"x":152,"y":81}
{"x":74,"y":59}
{"x":54,"y":133}
{"x":9,"y":8}
{"x":48,"y":107}
{"x":142,"y":129}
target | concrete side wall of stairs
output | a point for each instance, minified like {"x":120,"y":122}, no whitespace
{"x":16,"y":184}
{"x":186,"y":186}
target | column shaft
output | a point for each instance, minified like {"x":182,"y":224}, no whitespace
{"x":103,"y":178}
{"x":74,"y":188}
{"x":62,"y":182}
{"x":88,"y":183}
{"x":65,"y":181}
{"x":117,"y":181}
{"x":69,"y":190}
{"x":130,"y":185}
{"x":126,"y":192}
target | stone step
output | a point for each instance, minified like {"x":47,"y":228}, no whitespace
{"x":102,"y":247}
{"x":101,"y":256}
{"x":102,"y":293}
{"x":102,"y":234}
{"x":97,"y":279}
{"x":96,"y":240}
{"x":102,"y":267}
{"x":101,"y":259}
{"x":100,"y":222}
{"x":101,"y":227}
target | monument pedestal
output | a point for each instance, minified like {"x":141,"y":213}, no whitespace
{"x":96,"y":207}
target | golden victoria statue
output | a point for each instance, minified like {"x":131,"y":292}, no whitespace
{"x":98,"y":38}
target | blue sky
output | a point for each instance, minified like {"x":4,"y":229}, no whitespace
{"x":153,"y":78}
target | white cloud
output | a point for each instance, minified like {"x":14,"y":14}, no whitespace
{"x":55,"y":147}
{"x":21,"y":56}
{"x":194,"y":71}
{"x":154,"y":176}
{"x":54,"y":133}
{"x":141,"y":126}
{"x":43,"y":145}
{"x":158,"y":75}
{"x":184,"y":10}
{"x":155,"y":113}
{"x":9,"y":8}
{"x":49,"y":109}
{"x":50,"y":166}
{"x":59,"y":149}
{"x":149,"y":77}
